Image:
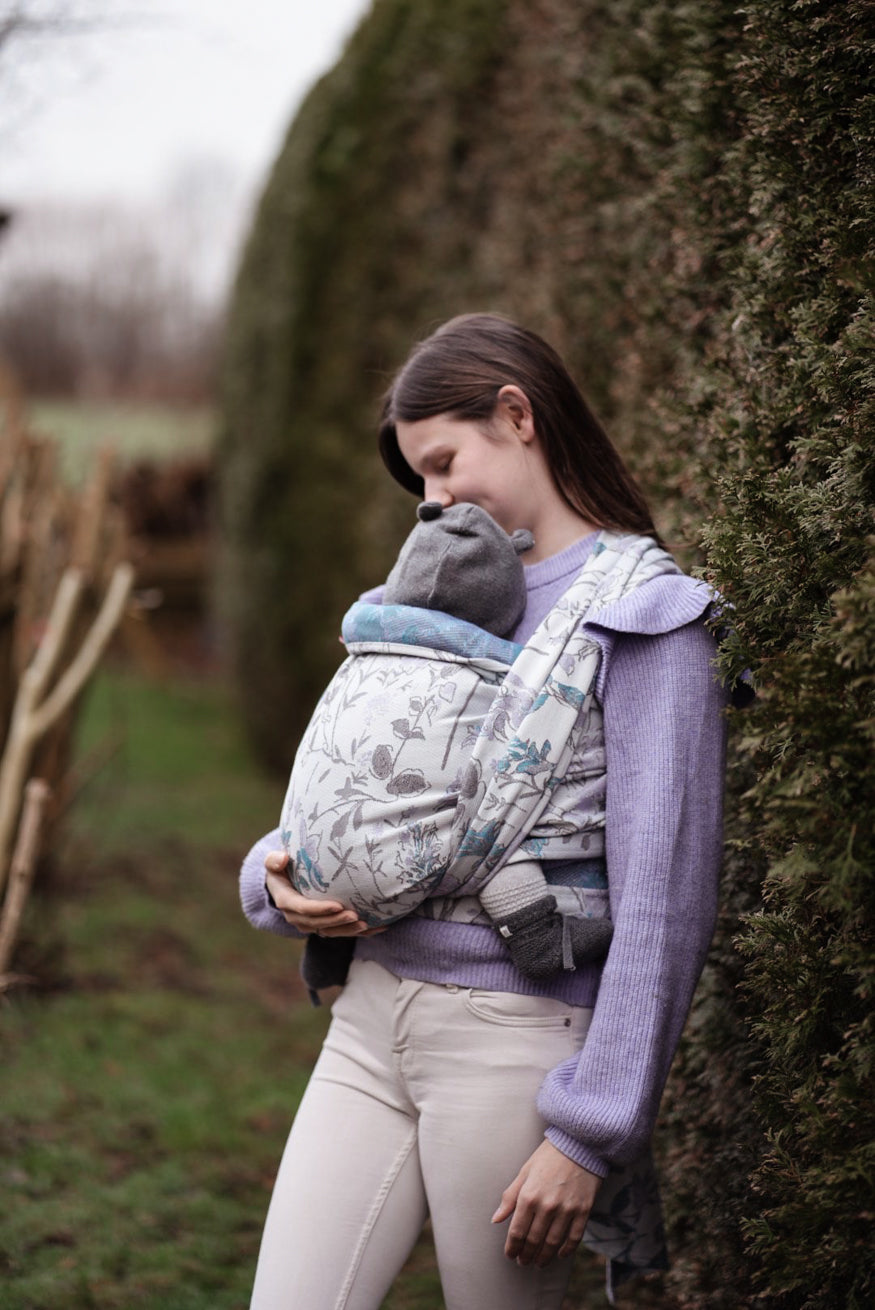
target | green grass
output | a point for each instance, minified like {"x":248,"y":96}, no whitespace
{"x":136,"y":429}
{"x":145,"y":1094}
{"x":179,"y":768}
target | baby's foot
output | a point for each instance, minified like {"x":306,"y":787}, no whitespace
{"x":541,"y":941}
{"x":588,"y":939}
{"x":533,"y":935}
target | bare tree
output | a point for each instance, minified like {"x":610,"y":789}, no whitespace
{"x":27,"y":19}
{"x":108,"y":299}
{"x":35,"y":41}
{"x":27,"y":26}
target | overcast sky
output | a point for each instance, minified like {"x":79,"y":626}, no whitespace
{"x":156,"y":96}
{"x":118,"y":109}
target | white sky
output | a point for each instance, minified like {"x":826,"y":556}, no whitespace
{"x":120,"y":110}
{"x":159,"y":101}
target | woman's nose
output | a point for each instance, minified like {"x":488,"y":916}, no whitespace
{"x":435,"y":490}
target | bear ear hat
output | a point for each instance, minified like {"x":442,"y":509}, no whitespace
{"x":429,"y":509}
{"x":522,"y":540}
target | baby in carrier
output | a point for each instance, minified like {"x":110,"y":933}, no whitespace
{"x":387,"y":754}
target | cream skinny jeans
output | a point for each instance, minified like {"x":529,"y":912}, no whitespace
{"x":422,"y":1102}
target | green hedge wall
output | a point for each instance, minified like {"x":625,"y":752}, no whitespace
{"x":679,"y":196}
{"x":787,"y":446}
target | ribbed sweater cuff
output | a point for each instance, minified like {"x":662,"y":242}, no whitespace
{"x":577,"y":1151}
{"x":253,"y":892}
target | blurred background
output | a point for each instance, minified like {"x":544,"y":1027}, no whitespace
{"x":222,"y":225}
{"x":135,"y":140}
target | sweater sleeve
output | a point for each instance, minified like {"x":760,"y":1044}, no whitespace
{"x":253,"y":893}
{"x":665,"y":745}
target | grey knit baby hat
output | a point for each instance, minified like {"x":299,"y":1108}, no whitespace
{"x":460,"y":561}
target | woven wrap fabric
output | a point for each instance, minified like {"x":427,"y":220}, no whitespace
{"x":542,"y":722}
{"x":439,"y":752}
{"x":369,"y":810}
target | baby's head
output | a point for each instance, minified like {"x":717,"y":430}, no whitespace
{"x":460,"y":561}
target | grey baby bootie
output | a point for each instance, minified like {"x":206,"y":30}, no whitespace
{"x":541,"y":941}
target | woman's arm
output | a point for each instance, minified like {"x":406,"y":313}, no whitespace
{"x":665,"y":743}
{"x":269,"y":901}
{"x":254,"y":896}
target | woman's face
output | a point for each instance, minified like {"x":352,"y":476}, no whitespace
{"x":459,"y":462}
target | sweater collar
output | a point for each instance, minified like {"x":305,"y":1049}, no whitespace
{"x":567,"y":563}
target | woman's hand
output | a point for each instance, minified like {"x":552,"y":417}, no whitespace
{"x":325,"y":918}
{"x":550,"y":1200}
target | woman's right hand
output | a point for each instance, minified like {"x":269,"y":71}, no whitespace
{"x":325,"y":918}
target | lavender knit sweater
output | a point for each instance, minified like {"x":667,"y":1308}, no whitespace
{"x":665,"y":740}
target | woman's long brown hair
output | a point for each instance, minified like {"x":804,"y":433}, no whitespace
{"x":460,"y":369}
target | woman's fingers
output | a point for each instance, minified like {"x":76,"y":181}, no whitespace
{"x":328,"y":918}
{"x":518,"y":1245}
{"x":355,"y":929}
{"x":536,"y":1234}
{"x":549,"y":1201}
{"x":574,"y":1236}
{"x":286,"y":898}
{"x":511,"y":1204}
{"x":508,"y":1200}
{"x":548,"y":1237}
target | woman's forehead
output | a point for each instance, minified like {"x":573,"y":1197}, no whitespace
{"x":418,"y":438}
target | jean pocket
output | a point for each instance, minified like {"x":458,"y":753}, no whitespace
{"x":512,"y":1010}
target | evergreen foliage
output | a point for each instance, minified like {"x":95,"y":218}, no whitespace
{"x":679,"y":196}
{"x":789,"y":446}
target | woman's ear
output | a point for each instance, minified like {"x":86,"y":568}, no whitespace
{"x":514,"y":406}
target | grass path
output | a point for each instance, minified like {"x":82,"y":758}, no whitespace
{"x":146,"y":1094}
{"x":145,"y":1098}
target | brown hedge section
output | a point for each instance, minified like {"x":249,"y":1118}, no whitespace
{"x":679,"y":195}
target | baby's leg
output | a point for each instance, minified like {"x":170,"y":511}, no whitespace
{"x":541,"y":935}
{"x":515,"y":886}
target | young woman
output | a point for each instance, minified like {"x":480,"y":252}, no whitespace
{"x":449,"y":1084}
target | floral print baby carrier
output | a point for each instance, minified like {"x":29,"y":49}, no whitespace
{"x":420,"y":774}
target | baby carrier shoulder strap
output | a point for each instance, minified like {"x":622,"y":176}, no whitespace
{"x":523,"y":745}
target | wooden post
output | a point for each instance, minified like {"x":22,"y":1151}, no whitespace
{"x":36,"y":710}
{"x":36,"y":796}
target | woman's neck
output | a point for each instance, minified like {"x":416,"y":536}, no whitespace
{"x":555,"y":529}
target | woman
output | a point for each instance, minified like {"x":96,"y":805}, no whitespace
{"x":449,"y":1085}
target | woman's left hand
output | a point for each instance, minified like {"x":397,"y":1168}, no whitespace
{"x":550,"y":1200}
